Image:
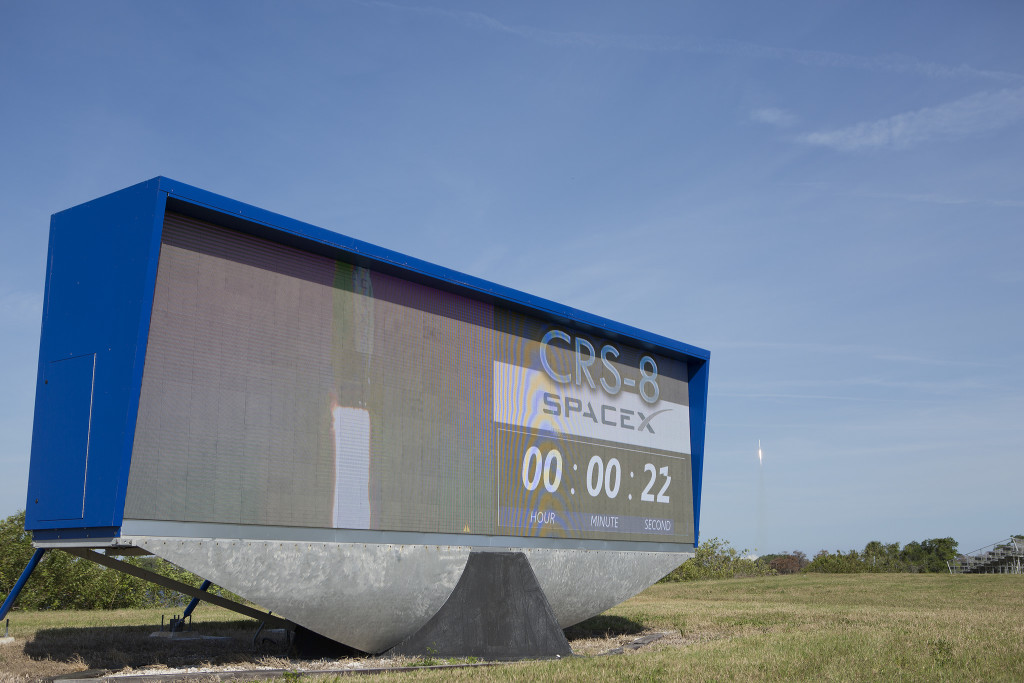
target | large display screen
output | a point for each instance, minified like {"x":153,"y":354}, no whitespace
{"x":290,"y":389}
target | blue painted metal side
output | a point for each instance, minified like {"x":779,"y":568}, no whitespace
{"x":195,"y":601}
{"x":100,"y":274}
{"x":698,"y":426}
{"x":64,"y":444}
{"x":20,"y":583}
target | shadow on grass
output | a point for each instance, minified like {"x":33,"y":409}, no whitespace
{"x":116,"y":647}
{"x":603,"y":626}
{"x":311,"y":645}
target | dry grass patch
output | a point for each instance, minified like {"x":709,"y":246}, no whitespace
{"x":810,"y":628}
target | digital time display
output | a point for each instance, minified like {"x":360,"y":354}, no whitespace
{"x":589,"y":444}
{"x":561,"y":486}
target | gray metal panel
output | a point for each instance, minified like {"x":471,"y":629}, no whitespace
{"x":364,"y":595}
{"x":373,"y":595}
{"x":580,"y":584}
{"x":145,"y":527}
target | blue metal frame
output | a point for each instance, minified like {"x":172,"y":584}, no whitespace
{"x":698,"y":387}
{"x":101,"y":275}
{"x":20,"y":583}
{"x":100,"y":278}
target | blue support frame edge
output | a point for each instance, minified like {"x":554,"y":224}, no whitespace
{"x":140,"y":357}
{"x":698,"y":387}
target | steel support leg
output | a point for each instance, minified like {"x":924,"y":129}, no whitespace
{"x":9,"y":602}
{"x":195,"y":601}
{"x":180,"y":623}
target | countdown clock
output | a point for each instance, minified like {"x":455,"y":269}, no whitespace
{"x":329,"y":428}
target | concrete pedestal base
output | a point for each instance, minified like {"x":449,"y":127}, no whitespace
{"x":497,"y":611}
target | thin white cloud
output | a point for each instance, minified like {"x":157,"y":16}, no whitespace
{"x":861,"y":351}
{"x":821,"y":397}
{"x":968,"y":116}
{"x":774,"y":117}
{"x":916,"y":197}
{"x":947,"y":200}
{"x":895,"y":63}
{"x":922,"y":360}
{"x":800,"y":347}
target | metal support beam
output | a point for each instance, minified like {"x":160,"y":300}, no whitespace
{"x":153,"y":577}
{"x":20,"y":583}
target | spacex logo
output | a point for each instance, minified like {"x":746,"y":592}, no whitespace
{"x":612,"y":416}
{"x":533,"y":400}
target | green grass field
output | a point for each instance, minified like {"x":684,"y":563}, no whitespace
{"x":867,"y":627}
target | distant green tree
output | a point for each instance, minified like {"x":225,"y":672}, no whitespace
{"x":837,"y":563}
{"x":881,"y":557}
{"x":914,"y":555}
{"x":15,"y":551}
{"x":930,"y":555}
{"x":717,"y":559}
{"x":63,"y":581}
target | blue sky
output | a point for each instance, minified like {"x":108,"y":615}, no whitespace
{"x":826,"y":195}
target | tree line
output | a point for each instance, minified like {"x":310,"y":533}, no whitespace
{"x":717,"y":559}
{"x":929,"y":555}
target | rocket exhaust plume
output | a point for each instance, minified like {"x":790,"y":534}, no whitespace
{"x":762,"y":506}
